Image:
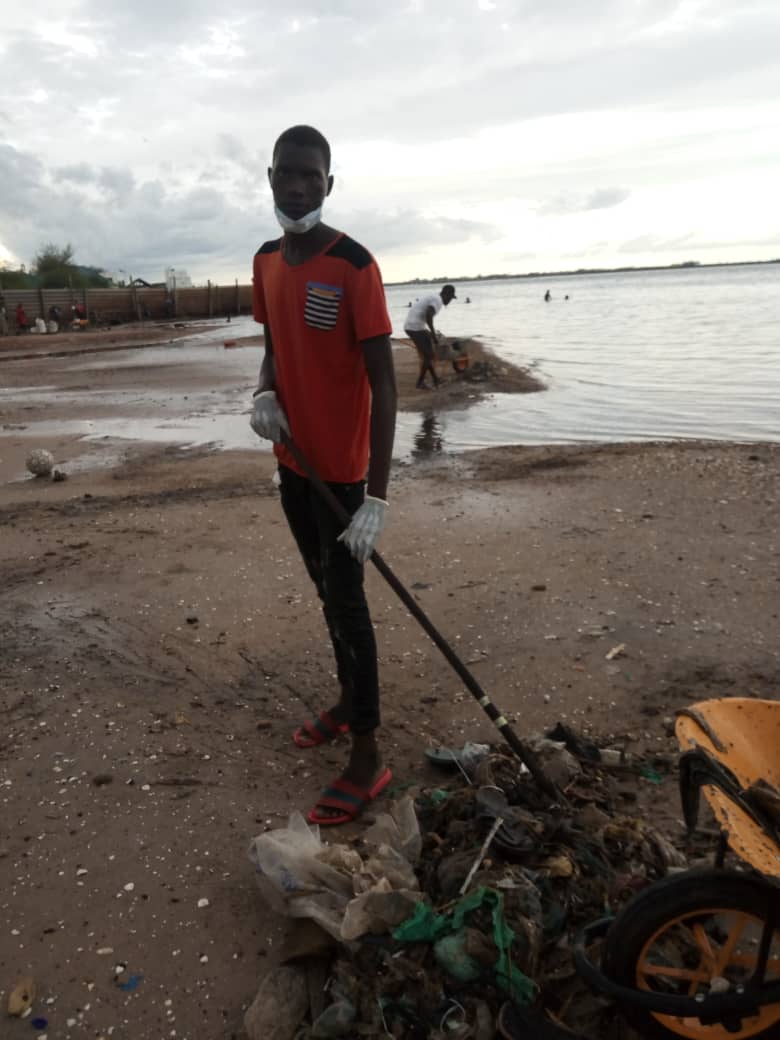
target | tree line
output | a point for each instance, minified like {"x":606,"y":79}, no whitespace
{"x":54,"y":267}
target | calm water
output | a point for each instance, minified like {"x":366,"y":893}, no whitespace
{"x":645,"y":355}
{"x":628,"y":357}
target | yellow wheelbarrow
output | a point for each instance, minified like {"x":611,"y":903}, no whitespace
{"x":697,"y":955}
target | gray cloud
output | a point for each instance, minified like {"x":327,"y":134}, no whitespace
{"x":146,"y":226}
{"x":610,"y":73}
{"x":605,"y":198}
{"x":407,"y":230}
{"x":658,"y":244}
{"x":519,"y":61}
{"x":21,"y":176}
{"x":600,"y":198}
{"x":767,"y":240}
{"x":79,"y":173}
{"x":117,"y":180}
{"x":514,"y":257}
{"x":176,"y":108}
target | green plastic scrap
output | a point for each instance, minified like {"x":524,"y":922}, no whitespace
{"x":648,"y":773}
{"x":425,"y":925}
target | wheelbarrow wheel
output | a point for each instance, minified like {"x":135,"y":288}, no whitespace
{"x":682,"y":934}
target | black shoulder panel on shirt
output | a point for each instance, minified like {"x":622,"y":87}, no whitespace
{"x":348,"y":249}
{"x":269,"y":247}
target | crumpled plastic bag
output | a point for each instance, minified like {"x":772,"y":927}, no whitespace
{"x":301,"y":877}
{"x":294,"y":880}
{"x":378,"y":910}
{"x":399,"y":828}
{"x":558,"y":764}
{"x":341,"y":858}
{"x":385,"y":864}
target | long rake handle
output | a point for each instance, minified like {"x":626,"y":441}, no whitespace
{"x":523,"y":752}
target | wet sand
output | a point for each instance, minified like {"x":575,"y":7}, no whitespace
{"x":94,"y":340}
{"x":160,"y":641}
{"x":91,"y":399}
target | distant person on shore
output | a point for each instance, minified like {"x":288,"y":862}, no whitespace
{"x":327,"y":380}
{"x":547,"y":296}
{"x":418,"y":326}
{"x":22,"y":321}
{"x":3,"y":318}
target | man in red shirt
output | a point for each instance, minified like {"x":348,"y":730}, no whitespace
{"x":22,"y":322}
{"x":328,"y":381}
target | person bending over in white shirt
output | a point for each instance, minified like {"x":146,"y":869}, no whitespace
{"x":418,"y":326}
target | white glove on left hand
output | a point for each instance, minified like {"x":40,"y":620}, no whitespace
{"x":365,"y":528}
{"x":268,"y":418}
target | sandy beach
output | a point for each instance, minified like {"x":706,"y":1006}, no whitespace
{"x":159,"y":642}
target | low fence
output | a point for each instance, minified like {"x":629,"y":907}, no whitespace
{"x":114,"y":306}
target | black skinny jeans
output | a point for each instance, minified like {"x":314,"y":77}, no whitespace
{"x":338,"y":578}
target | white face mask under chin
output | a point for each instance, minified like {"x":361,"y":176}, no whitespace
{"x":302,"y":224}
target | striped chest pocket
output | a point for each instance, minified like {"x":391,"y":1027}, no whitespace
{"x":321,"y":310}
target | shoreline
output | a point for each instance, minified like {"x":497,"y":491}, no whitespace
{"x":489,"y":373}
{"x":153,"y":377}
{"x":91,"y":414}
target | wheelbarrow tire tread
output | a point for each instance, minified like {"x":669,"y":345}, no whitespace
{"x":666,"y":901}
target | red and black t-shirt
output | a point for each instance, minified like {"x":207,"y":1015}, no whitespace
{"x":319,"y":313}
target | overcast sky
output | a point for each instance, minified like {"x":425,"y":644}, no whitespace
{"x":468,"y":136}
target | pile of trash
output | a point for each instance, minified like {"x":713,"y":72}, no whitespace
{"x":479,"y":372}
{"x":453,"y":914}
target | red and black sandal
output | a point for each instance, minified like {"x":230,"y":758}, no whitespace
{"x":319,"y":731}
{"x":348,"y":798}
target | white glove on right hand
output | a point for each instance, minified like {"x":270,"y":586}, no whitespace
{"x":268,"y":418}
{"x":365,"y":528}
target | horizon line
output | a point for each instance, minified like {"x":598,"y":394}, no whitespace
{"x":686,"y":265}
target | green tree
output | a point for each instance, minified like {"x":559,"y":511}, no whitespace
{"x":55,"y":268}
{"x":13,"y":278}
{"x":51,"y":257}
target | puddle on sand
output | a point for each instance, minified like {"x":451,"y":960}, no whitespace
{"x":429,"y":438}
{"x":149,"y":412}
{"x":416,"y":438}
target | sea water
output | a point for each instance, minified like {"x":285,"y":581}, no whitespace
{"x":644,"y":355}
